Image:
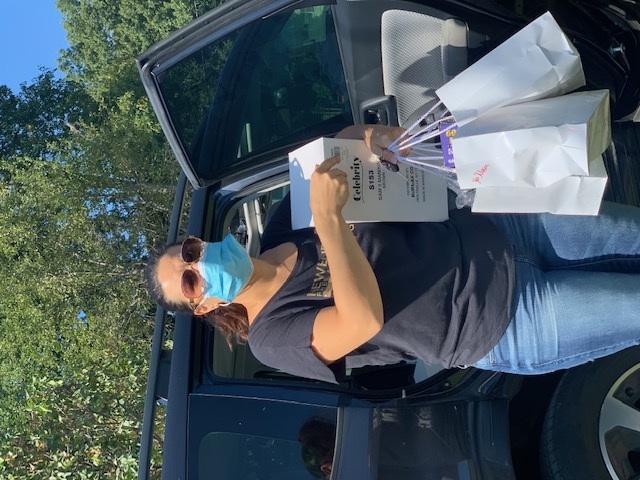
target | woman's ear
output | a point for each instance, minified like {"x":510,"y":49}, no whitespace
{"x":203,"y":309}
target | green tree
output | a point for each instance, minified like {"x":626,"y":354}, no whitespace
{"x":137,"y":167}
{"x":86,"y":182}
{"x":72,"y":330}
{"x":42,"y":116}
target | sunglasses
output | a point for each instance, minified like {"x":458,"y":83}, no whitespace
{"x":191,"y":252}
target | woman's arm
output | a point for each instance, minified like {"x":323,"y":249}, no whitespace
{"x":357,"y":315}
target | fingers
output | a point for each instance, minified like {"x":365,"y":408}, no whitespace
{"x":388,"y":156}
{"x":337,"y":173}
{"x":334,"y":173}
{"x":328,"y":189}
{"x":384,"y":136}
{"x":404,"y":153}
{"x":328,"y":164}
{"x":326,"y":170}
{"x":378,"y":139}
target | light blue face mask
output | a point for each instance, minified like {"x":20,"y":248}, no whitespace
{"x":226,"y":268}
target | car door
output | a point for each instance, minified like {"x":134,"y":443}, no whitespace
{"x":241,"y":84}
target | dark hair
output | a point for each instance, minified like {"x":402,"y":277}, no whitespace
{"x":231,"y":321}
{"x":317,"y":438}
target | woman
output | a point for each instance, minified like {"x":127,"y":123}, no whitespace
{"x":515,"y":293}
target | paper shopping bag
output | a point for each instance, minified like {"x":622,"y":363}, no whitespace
{"x":539,"y":61}
{"x":575,"y":195}
{"x":535,"y":143}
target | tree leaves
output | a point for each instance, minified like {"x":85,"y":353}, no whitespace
{"x":86,"y":184}
{"x":37,"y":121}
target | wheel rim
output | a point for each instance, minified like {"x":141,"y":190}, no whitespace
{"x":619,"y":426}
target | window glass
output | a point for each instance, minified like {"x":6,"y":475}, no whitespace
{"x":274,"y":82}
{"x":235,"y":456}
{"x":253,"y":439}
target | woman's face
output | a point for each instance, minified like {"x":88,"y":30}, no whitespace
{"x":171,"y":268}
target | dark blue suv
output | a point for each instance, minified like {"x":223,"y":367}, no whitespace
{"x":250,"y":81}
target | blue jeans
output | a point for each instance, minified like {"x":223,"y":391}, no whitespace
{"x":577,"y":292}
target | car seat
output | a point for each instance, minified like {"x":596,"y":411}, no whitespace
{"x":420,"y":53}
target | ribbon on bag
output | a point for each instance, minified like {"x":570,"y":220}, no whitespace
{"x":434,"y":157}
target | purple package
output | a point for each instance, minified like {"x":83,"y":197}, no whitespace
{"x":447,"y":132}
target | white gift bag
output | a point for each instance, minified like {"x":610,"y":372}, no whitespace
{"x":534,"y":143}
{"x":539,"y":61}
{"x":574,"y":195}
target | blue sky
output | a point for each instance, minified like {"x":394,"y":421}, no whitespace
{"x":31,"y":35}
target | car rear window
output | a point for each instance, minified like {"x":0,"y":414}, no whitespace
{"x":271,"y":83}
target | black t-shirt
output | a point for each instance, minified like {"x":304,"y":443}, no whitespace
{"x":446,"y":291}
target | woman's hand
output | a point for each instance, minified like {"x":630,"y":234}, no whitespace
{"x":329,"y":189}
{"x":377,"y":138}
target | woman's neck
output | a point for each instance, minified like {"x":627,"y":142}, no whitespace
{"x":270,"y":271}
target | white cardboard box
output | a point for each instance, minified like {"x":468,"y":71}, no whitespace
{"x":376,"y":194}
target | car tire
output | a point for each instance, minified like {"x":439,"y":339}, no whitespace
{"x":592,"y":426}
